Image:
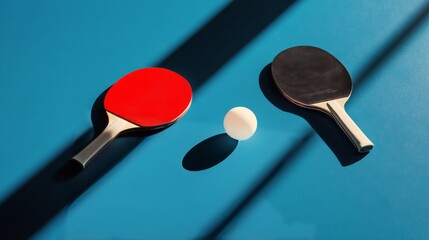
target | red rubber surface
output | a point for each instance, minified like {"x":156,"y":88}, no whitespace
{"x":149,"y":97}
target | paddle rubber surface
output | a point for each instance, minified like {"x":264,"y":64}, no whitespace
{"x":149,"y":97}
{"x":309,"y":75}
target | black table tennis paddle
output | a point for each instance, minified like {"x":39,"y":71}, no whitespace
{"x":312,"y":78}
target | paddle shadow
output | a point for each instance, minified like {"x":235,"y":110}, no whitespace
{"x":209,"y":152}
{"x":323,"y":124}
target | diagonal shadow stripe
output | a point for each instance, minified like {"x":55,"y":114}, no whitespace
{"x":280,"y":165}
{"x":224,"y":36}
{"x":391,"y":46}
{"x":57,"y":184}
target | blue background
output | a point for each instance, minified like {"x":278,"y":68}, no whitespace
{"x":286,"y":182}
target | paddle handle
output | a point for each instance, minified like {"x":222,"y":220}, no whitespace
{"x":361,"y":142}
{"x":114,"y":128}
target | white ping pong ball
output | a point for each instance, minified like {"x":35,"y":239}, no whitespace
{"x":240,"y":123}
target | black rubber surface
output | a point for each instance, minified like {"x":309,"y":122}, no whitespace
{"x":308,"y":75}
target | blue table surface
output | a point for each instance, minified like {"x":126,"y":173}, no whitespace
{"x":298,"y":177}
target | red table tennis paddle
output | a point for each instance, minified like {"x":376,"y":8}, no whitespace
{"x":311,"y":77}
{"x":147,"y":99}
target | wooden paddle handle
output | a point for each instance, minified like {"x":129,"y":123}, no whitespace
{"x":361,"y":142}
{"x":114,"y":128}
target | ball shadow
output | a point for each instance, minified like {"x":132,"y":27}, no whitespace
{"x":209,"y":152}
{"x":323,"y":124}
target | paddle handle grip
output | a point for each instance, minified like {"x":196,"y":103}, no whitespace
{"x":114,"y":128}
{"x":361,"y":142}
